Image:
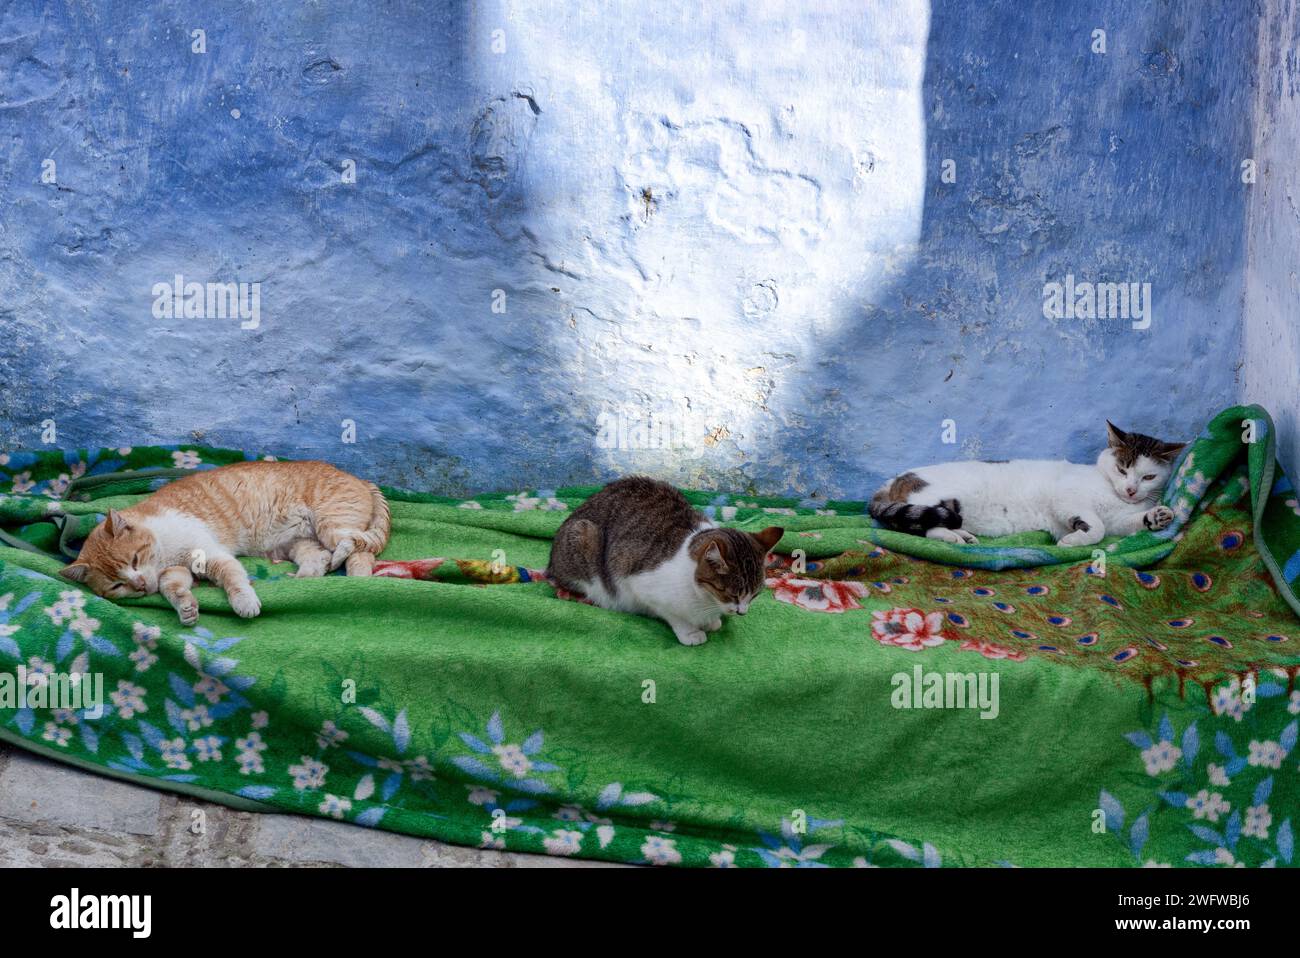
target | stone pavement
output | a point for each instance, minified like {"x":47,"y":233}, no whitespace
{"x":53,"y":815}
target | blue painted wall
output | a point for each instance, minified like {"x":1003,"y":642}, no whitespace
{"x":730,"y":222}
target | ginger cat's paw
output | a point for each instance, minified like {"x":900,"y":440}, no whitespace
{"x":313,"y":569}
{"x":344,"y":549}
{"x":246,"y":603}
{"x":188,"y":611}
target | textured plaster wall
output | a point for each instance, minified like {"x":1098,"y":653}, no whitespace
{"x":728,"y":217}
{"x":1271,"y":368}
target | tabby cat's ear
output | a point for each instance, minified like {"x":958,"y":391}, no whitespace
{"x":1115,"y":436}
{"x":713,"y":557}
{"x":769,"y":537}
{"x":76,"y":572}
{"x":1166,"y":451}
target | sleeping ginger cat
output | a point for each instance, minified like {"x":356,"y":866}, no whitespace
{"x":310,"y":512}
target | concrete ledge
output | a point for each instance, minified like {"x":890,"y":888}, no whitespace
{"x":53,"y":815}
{"x":35,"y":791}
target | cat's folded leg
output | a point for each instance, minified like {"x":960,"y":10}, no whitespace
{"x":959,"y":536}
{"x":174,"y":583}
{"x":688,"y":634}
{"x":1087,"y":529}
{"x":227,"y":573}
{"x":311,"y":557}
{"x":341,"y":541}
{"x":360,"y":564}
{"x":346,"y":546}
{"x":714,"y":625}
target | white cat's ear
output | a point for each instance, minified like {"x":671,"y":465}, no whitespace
{"x":1166,"y":451}
{"x":1114,"y":435}
{"x":76,"y":572}
{"x":713,"y":556}
{"x":769,"y":537}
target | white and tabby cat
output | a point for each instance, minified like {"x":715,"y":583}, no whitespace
{"x":639,"y":546}
{"x":1079,"y":505}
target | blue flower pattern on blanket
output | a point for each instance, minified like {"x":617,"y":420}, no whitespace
{"x":209,"y":715}
{"x":1222,"y":800}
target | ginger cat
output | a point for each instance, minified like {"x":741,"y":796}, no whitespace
{"x":310,"y":512}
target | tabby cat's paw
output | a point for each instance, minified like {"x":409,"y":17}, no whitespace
{"x":1158,"y":518}
{"x":245,"y":603}
{"x":691,"y":637}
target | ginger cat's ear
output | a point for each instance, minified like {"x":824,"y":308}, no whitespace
{"x":76,"y":572}
{"x":769,"y":537}
{"x":115,"y":523}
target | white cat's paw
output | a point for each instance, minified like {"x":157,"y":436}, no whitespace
{"x":344,"y":549}
{"x":1074,"y":539}
{"x":957,"y":536}
{"x":188,"y":610}
{"x":245,"y":603}
{"x":1157,"y":518}
{"x":714,"y":625}
{"x":691,"y":637}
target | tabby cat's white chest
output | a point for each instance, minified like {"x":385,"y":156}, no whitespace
{"x":668,"y":591}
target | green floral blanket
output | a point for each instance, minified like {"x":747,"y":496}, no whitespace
{"x":893,"y":700}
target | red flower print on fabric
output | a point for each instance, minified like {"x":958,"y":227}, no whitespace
{"x":909,"y":629}
{"x":818,"y":595}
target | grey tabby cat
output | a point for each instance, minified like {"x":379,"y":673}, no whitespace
{"x":639,"y":546}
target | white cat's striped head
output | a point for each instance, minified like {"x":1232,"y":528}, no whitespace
{"x":1136,"y":466}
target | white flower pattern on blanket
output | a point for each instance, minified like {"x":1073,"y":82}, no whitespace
{"x":1224,"y":804}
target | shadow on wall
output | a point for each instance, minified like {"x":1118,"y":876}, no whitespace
{"x":1115,"y":167}
{"x":664,"y":202}
{"x":347,"y":161}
